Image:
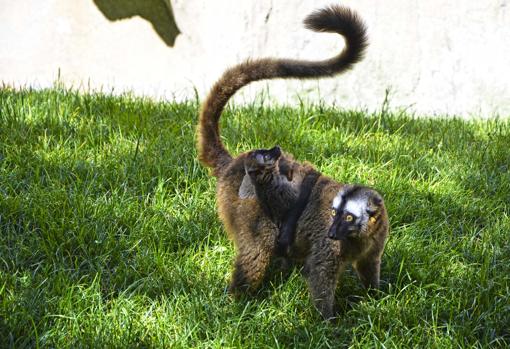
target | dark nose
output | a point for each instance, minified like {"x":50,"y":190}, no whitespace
{"x":331,"y":234}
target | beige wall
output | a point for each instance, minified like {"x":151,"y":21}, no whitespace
{"x":435,"y":56}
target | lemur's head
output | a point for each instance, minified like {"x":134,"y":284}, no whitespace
{"x":356,"y":212}
{"x":262,"y":161}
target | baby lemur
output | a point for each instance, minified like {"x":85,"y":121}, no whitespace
{"x":281,"y":187}
{"x":336,"y":224}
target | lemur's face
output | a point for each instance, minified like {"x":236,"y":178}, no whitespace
{"x":267,"y":157}
{"x":262,"y":160}
{"x":356,"y":212}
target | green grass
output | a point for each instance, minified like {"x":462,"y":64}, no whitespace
{"x":109,"y":235}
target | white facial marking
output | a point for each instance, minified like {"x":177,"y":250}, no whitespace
{"x":356,"y":207}
{"x":337,"y":201}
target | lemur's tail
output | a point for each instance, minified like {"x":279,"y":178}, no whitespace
{"x":334,"y":19}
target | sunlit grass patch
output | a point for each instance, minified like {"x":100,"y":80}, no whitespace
{"x":109,"y":235}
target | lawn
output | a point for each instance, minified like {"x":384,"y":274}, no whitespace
{"x":109,"y":235}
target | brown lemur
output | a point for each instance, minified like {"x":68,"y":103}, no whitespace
{"x":338,"y":225}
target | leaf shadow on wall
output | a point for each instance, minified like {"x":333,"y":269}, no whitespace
{"x":158,"y":12}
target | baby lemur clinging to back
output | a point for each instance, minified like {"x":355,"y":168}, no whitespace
{"x":337,"y":224}
{"x":271,"y":180}
{"x":281,"y":187}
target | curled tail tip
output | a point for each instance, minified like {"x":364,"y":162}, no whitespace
{"x":331,"y":18}
{"x":338,"y":19}
{"x":344,"y":21}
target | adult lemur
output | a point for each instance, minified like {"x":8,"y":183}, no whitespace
{"x":339,"y":224}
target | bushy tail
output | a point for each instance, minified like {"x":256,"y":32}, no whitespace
{"x":334,"y":19}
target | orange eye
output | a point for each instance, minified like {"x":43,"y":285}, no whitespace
{"x":372,"y":219}
{"x":333,"y":212}
{"x":348,"y":218}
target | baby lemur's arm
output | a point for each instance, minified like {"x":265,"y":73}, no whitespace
{"x":289,"y":224}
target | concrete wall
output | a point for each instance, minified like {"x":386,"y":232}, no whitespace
{"x":434,"y":56}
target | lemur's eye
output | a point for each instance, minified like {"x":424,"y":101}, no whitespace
{"x":372,"y":220}
{"x":333,"y":212}
{"x":349,"y":218}
{"x":267,"y":157}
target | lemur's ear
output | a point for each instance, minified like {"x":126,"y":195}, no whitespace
{"x":376,"y":200}
{"x":275,"y":152}
{"x":272,"y":155}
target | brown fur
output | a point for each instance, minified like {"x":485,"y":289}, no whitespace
{"x":246,"y":222}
